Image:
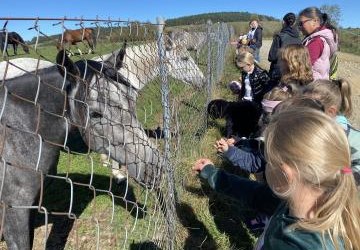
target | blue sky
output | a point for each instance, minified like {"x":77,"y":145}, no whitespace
{"x":148,"y":10}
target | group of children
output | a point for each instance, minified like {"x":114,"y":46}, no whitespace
{"x":304,"y":150}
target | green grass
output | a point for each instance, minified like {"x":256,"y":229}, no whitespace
{"x":208,"y":220}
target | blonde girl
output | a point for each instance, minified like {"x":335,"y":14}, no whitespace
{"x":254,"y":80}
{"x":315,"y":181}
{"x":336,"y":97}
{"x":316,"y":205}
{"x":295,"y":65}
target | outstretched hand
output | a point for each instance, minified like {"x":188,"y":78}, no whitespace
{"x":222,"y":145}
{"x":231,"y":141}
{"x":201,"y":163}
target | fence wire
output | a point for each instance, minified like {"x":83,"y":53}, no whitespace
{"x":56,"y":118}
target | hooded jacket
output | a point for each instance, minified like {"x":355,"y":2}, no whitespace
{"x":287,"y":35}
{"x":320,"y":55}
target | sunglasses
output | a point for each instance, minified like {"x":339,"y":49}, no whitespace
{"x":301,"y":23}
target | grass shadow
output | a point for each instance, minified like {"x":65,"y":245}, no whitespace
{"x":227,"y":213}
{"x":62,"y":224}
{"x":198,"y":235}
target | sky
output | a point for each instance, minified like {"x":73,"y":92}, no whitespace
{"x":149,"y":10}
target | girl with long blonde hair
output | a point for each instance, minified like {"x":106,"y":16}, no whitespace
{"x":335,"y":95}
{"x":309,"y":166}
{"x":311,"y":192}
{"x":295,"y":65}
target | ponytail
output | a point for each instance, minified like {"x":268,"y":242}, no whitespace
{"x":345,"y":91}
{"x":338,"y":212}
{"x":334,"y":92}
{"x":325,"y":22}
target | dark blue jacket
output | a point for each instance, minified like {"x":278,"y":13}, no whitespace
{"x":249,"y":156}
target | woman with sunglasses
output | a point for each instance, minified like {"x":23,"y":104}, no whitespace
{"x":321,"y":40}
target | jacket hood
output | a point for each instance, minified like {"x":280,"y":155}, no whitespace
{"x":328,"y":35}
{"x":291,"y":31}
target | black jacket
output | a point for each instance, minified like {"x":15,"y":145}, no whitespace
{"x":259,"y":81}
{"x":288,"y":35}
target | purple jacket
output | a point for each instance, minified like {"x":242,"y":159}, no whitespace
{"x":321,"y":66}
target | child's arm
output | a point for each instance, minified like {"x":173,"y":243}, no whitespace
{"x":250,"y":161}
{"x":251,"y":194}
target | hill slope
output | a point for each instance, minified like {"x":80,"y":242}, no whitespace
{"x":218,"y":17}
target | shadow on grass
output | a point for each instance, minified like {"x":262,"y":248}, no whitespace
{"x":228,"y":215}
{"x":198,"y":236}
{"x":82,"y":196}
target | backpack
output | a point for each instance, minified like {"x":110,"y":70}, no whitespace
{"x":334,"y":63}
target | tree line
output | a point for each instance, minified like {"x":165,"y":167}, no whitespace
{"x":218,"y":17}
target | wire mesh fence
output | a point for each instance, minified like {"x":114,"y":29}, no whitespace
{"x":140,"y":101}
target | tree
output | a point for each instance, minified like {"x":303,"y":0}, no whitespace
{"x":334,"y":13}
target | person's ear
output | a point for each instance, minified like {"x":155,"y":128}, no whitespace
{"x":289,"y":172}
{"x":332,"y":111}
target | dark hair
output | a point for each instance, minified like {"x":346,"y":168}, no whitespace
{"x":289,"y":19}
{"x":313,"y":12}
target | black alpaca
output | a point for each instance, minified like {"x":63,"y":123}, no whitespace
{"x":13,"y":38}
{"x":241,"y":117}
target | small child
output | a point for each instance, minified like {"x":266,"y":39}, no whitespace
{"x":317,"y":205}
{"x":254,"y":80}
{"x":336,"y":97}
{"x":295,"y":68}
{"x":246,"y":153}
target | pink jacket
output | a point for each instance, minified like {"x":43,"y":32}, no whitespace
{"x":321,"y":66}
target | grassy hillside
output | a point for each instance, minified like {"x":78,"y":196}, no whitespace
{"x":350,"y":40}
{"x":225,"y":17}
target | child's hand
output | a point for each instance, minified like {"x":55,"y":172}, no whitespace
{"x":221,"y":145}
{"x":230,"y":141}
{"x":201,"y":163}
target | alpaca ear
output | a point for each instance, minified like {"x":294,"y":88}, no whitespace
{"x":120,"y":56}
{"x":65,"y":63}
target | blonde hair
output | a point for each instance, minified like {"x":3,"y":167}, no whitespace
{"x":331,"y":93}
{"x":278,"y":94}
{"x":245,"y":57}
{"x":295,"y":64}
{"x":290,"y":138}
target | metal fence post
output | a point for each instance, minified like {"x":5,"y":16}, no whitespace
{"x":209,"y":64}
{"x":169,"y":170}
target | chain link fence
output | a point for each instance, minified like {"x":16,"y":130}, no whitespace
{"x":148,"y":117}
